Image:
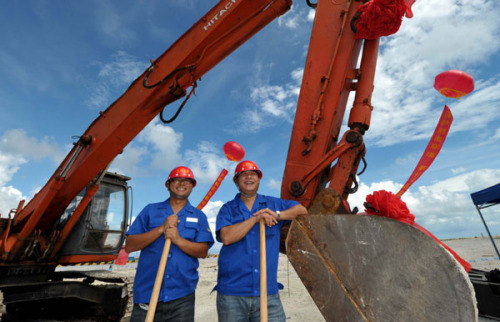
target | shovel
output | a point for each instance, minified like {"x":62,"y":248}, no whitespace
{"x":158,"y":281}
{"x":263,"y":272}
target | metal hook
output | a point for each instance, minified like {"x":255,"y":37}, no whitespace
{"x":312,"y":5}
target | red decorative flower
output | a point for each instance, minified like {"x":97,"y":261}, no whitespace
{"x":387,"y":204}
{"x":378,"y":18}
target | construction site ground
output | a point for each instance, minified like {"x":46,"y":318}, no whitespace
{"x":297,"y":303}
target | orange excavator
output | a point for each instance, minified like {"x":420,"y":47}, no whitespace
{"x":356,"y":268}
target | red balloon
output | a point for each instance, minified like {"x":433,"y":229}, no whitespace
{"x":454,"y":83}
{"x":233,"y":151}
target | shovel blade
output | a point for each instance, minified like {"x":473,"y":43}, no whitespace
{"x":370,"y":268}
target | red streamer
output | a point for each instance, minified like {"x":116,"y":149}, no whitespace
{"x":435,"y":144}
{"x":213,"y":189}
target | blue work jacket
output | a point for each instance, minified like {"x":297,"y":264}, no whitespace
{"x":239,"y":263}
{"x":181,"y":273}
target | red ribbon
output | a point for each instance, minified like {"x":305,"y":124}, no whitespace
{"x":433,"y":147}
{"x":213,"y":189}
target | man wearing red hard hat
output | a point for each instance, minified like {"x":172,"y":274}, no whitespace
{"x":190,"y":235}
{"x":238,"y":282}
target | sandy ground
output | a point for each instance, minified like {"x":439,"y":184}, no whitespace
{"x":479,"y":252}
{"x":297,"y":303}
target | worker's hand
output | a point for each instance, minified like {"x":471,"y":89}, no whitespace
{"x":269,"y":216}
{"x":171,"y":221}
{"x":173,"y":234}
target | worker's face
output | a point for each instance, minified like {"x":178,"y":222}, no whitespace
{"x":248,"y":182}
{"x":180,"y":188}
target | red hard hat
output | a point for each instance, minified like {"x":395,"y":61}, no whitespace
{"x":181,"y":172}
{"x":246,"y":166}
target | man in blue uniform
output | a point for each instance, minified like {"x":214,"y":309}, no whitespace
{"x":189,"y":232}
{"x":238,"y":280}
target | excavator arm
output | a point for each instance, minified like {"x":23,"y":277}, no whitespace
{"x":356,"y":267}
{"x":330,"y":74}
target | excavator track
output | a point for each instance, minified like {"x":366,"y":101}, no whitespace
{"x":130,"y":286}
{"x":89,"y":295}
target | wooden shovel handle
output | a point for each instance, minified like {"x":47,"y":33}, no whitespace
{"x":263,"y":272}
{"x":158,"y":281}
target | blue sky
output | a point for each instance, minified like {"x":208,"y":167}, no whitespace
{"x":61,"y":62}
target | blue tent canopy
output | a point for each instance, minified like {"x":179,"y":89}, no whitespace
{"x":487,"y":197}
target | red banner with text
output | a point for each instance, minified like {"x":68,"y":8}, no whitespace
{"x":432,"y":150}
{"x":213,"y":189}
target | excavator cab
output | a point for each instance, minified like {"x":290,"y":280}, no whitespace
{"x":101,"y":228}
{"x":97,"y":237}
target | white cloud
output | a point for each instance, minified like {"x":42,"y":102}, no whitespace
{"x":17,"y":143}
{"x":478,"y":109}
{"x":158,"y":147}
{"x":109,"y":20}
{"x":114,"y":24}
{"x":211,"y":210}
{"x":113,"y":78}
{"x":129,"y":161}
{"x":122,"y":70}
{"x":297,"y":75}
{"x":458,"y":170}
{"x":496,"y":136}
{"x":411,"y":158}
{"x":9,"y":165}
{"x":272,"y":102}
{"x":164,"y":143}
{"x":295,"y":18}
{"x":9,"y":199}
{"x":357,"y":199}
{"x":274,"y":184}
{"x":206,"y":162}
{"x":460,"y":35}
{"x":444,"y":208}
{"x":310,"y":15}
{"x":16,"y":149}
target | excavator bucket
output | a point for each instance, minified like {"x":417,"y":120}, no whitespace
{"x":371,"y":268}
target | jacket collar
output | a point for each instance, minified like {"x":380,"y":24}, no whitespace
{"x":259,"y":200}
{"x":187,"y":209}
